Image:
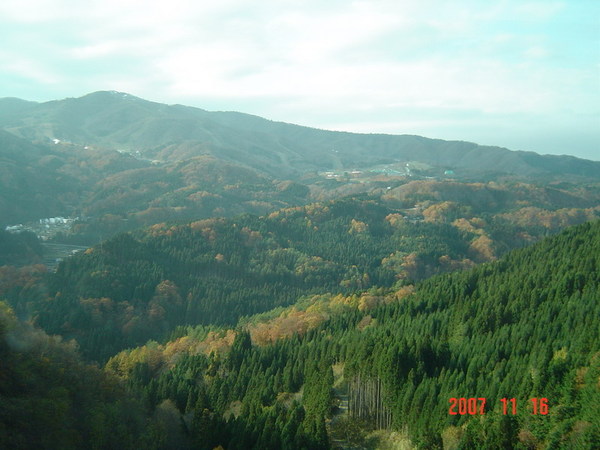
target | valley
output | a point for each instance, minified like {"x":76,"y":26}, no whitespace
{"x":172,"y":277}
{"x":54,"y":254}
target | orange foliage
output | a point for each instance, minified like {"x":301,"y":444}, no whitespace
{"x":131,"y":325}
{"x":466,"y":225}
{"x":552,"y":220}
{"x":368,"y":301}
{"x":200,"y":195}
{"x":167,"y":291}
{"x":394,"y":219}
{"x":218,"y":342}
{"x":202,"y":225}
{"x":356,"y":226}
{"x":438,"y":212}
{"x":287,"y":324}
{"x":481,"y":249}
{"x":404,"y":292}
{"x":411,"y":266}
{"x":174,"y":348}
{"x":158,"y":229}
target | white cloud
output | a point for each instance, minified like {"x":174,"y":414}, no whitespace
{"x":29,"y":69}
{"x":536,"y":51}
{"x":40,"y":11}
{"x":539,"y":10}
{"x":308,"y":59}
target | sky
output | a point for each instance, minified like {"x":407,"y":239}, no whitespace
{"x":514,"y":73}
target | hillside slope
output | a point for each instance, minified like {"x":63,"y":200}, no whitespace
{"x":141,"y":285}
{"x":524,"y":328}
{"x":116,"y":190}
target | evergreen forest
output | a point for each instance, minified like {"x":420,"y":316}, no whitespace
{"x":334,"y":325}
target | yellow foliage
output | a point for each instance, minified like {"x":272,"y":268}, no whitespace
{"x":367,"y":302}
{"x":553,"y":220}
{"x":287,"y":324}
{"x":7,"y":316}
{"x":395,"y":262}
{"x":98,"y":308}
{"x":356,"y":226}
{"x":218,"y":342}
{"x":438,"y":212}
{"x":465,"y":225}
{"x":580,"y":377}
{"x":340,"y":300}
{"x":481,"y":249}
{"x":560,"y":355}
{"x":404,"y":292}
{"x":173,"y":349}
{"x":527,"y":438}
{"x":123,"y":363}
{"x":394,"y":219}
{"x":364,"y":322}
{"x":410,"y":266}
{"x":451,"y":437}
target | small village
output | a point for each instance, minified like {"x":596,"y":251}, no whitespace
{"x":408,"y":170}
{"x":45,"y":228}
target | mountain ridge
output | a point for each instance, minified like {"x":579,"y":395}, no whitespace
{"x":159,"y":131}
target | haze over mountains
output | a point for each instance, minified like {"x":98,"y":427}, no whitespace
{"x":114,"y":120}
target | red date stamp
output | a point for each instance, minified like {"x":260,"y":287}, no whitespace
{"x":471,"y":406}
{"x":476,"y":406}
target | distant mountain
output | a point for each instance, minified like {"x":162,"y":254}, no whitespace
{"x":115,"y":120}
{"x":120,"y":162}
{"x":121,"y":191}
{"x":38,"y":180}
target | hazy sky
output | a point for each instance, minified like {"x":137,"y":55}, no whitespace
{"x":515,"y":73}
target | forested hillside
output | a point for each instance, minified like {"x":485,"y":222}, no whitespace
{"x":525,"y":327}
{"x":247,"y":284}
{"x":110,"y":191}
{"x":113,"y":162}
{"x":19,"y":248}
{"x":141,"y":285}
{"x":50,"y":399}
